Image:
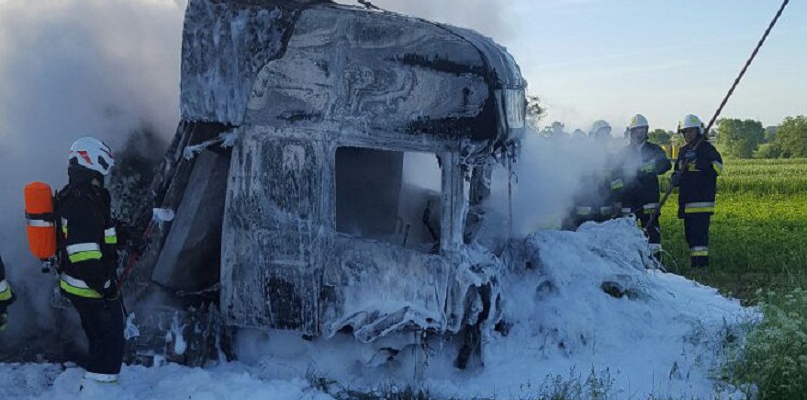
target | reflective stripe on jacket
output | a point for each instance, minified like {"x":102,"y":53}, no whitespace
{"x":5,"y":291}
{"x":6,"y":294}
{"x":89,"y":238}
{"x":78,"y":287}
{"x":698,"y":185}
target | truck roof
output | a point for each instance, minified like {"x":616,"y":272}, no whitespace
{"x":230,"y":48}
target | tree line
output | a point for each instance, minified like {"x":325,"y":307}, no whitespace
{"x":738,"y":138}
{"x":747,"y":138}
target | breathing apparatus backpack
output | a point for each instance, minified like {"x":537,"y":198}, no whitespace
{"x":42,"y":224}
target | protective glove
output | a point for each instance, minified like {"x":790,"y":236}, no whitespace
{"x":690,"y":156}
{"x":129,"y":239}
{"x":123,"y":233}
{"x":675,"y":179}
{"x":111,"y":292}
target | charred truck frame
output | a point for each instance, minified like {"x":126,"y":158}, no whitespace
{"x":287,"y":171}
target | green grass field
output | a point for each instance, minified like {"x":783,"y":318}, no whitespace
{"x":758,"y":236}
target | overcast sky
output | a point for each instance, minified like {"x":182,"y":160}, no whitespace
{"x":610,"y":59}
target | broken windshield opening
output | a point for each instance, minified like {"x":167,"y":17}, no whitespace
{"x":389,"y":196}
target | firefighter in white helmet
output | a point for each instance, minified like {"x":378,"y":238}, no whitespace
{"x":696,"y":171}
{"x":641,"y":164}
{"x":88,"y":247}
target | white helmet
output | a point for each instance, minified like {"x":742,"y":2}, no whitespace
{"x":598,"y":126}
{"x":92,"y":153}
{"x":638,"y":121}
{"x":690,"y":121}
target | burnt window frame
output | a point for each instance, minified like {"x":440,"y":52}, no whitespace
{"x":438,"y":207}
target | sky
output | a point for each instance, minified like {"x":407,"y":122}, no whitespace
{"x":598,"y":59}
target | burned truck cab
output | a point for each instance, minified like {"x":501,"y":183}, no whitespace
{"x":357,"y":139}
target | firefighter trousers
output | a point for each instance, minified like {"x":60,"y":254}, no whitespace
{"x":103,"y":323}
{"x":696,"y":229}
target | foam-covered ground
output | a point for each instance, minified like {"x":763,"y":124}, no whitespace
{"x":660,"y":335}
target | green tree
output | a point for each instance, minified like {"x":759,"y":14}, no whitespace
{"x":740,"y":138}
{"x":660,"y":136}
{"x":792,"y":137}
{"x":768,"y":150}
{"x":535,"y":112}
{"x":770,"y":134}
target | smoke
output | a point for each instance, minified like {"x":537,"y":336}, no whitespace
{"x":72,"y":68}
{"x":490,"y":17}
{"x":547,"y":176}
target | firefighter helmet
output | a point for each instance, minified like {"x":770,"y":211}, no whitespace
{"x":600,"y":129}
{"x":92,"y":153}
{"x":690,"y":121}
{"x":638,"y":121}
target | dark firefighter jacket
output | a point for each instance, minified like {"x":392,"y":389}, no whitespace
{"x":88,"y":239}
{"x":698,"y":184}
{"x":6,"y":296}
{"x":641,"y":166}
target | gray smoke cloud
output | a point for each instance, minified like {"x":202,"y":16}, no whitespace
{"x":69,"y":69}
{"x":490,"y":17}
{"x":545,"y":179}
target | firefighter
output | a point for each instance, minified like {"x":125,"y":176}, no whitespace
{"x":642,"y":162}
{"x":87,"y":246}
{"x":696,"y":171}
{"x":601,"y":190}
{"x":6,"y":296}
